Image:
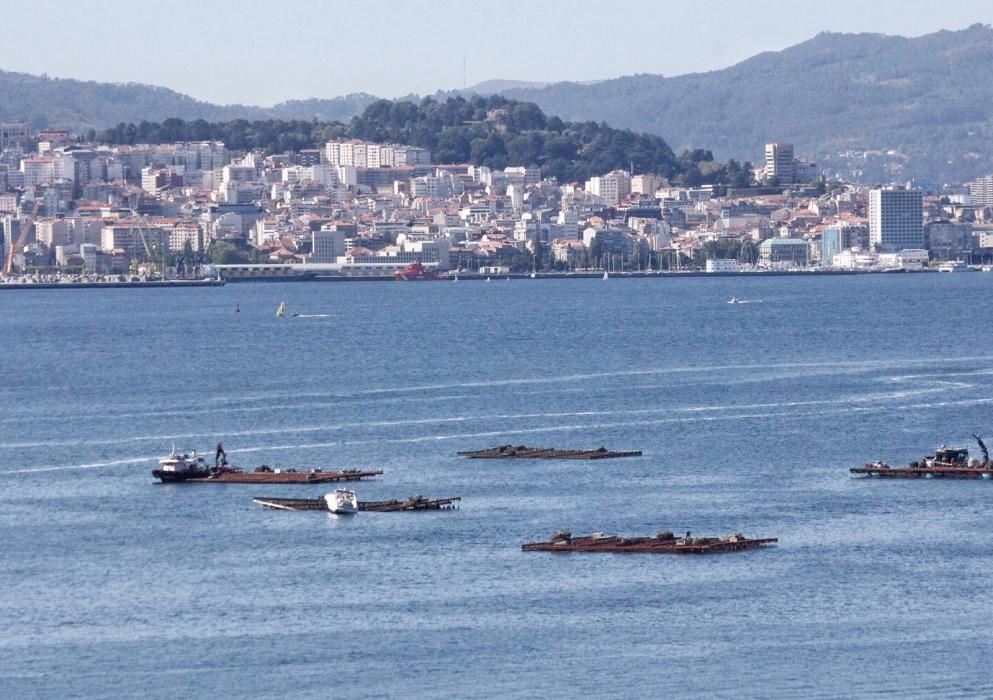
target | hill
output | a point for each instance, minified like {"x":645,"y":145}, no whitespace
{"x":493,"y":131}
{"x":919,"y":106}
{"x":80,"y":105}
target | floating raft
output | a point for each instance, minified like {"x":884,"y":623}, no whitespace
{"x":523,"y":452}
{"x":886,"y":471}
{"x":263,"y":477}
{"x":412,"y":503}
{"x":663,"y":543}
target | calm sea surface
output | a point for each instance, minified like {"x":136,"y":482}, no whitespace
{"x":749,"y":416}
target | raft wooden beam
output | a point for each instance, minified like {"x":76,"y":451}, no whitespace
{"x":524,"y":452}
{"x":887,"y":472}
{"x":664,"y":543}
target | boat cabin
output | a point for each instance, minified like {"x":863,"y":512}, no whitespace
{"x":952,"y":455}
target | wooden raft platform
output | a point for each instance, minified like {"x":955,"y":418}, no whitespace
{"x":524,"y":452}
{"x":663,"y":543}
{"x":265,"y":477}
{"x":887,"y":472}
{"x":393,"y":505}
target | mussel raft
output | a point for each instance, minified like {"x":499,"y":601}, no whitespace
{"x":945,"y":463}
{"x":663,"y":543}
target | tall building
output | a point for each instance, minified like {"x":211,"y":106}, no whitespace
{"x":981,"y":191}
{"x":780,"y":162}
{"x":896,"y":219}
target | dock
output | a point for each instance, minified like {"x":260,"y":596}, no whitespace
{"x":391,"y":506}
{"x":663,"y":543}
{"x":524,"y":452}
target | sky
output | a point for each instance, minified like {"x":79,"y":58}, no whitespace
{"x":263,"y":52}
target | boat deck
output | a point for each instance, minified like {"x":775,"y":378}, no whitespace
{"x":524,"y":452}
{"x":393,"y":505}
{"x":650,"y":545}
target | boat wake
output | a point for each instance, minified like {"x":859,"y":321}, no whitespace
{"x":311,"y":315}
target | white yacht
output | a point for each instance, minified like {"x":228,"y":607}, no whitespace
{"x":954,"y":266}
{"x":342,"y":502}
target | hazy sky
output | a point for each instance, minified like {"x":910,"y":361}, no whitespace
{"x":265,"y":51}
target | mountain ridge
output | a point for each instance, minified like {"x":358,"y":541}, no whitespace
{"x":866,"y":106}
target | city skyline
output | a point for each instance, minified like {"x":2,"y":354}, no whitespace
{"x":237,"y":54}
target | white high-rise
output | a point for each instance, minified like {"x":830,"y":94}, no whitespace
{"x":896,"y":219}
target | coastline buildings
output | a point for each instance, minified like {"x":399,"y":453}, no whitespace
{"x":356,"y":208}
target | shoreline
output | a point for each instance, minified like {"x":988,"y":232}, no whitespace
{"x":112,"y":285}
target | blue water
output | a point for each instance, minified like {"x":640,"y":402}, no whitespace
{"x":749,"y":416}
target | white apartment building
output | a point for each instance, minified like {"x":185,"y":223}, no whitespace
{"x":780,"y":162}
{"x":38,"y":170}
{"x":896,"y":219}
{"x":611,"y":188}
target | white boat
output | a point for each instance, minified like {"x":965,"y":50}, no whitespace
{"x":281,"y":311}
{"x":342,"y":502}
{"x":605,"y":277}
{"x":487,"y":279}
{"x":734,"y":300}
{"x":534,"y":275}
{"x":182,"y":462}
{"x":954,"y":266}
{"x":455,"y":279}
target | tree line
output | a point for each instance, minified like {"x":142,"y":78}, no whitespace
{"x":488,"y":131}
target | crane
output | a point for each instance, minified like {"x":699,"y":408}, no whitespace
{"x":22,"y":240}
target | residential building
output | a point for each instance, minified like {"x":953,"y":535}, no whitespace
{"x":896,"y":219}
{"x":780,"y":162}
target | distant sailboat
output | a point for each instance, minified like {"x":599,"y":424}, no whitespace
{"x":487,"y":279}
{"x":734,"y":300}
{"x":605,"y":277}
{"x":281,"y":311}
{"x":455,"y":279}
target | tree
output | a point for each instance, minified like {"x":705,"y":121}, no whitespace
{"x":224,"y":253}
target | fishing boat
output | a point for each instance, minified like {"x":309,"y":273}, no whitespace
{"x":945,"y":463}
{"x":414,"y":272}
{"x":181,"y":466}
{"x":342,"y":502}
{"x":191,"y":468}
{"x":281,"y":311}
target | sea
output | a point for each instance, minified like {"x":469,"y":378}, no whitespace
{"x":749,"y":416}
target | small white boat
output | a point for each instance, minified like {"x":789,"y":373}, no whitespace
{"x":605,"y":276}
{"x":534,"y":275}
{"x":455,"y":279}
{"x":281,"y":311}
{"x":342,"y":502}
{"x":734,"y":300}
{"x":487,"y":279}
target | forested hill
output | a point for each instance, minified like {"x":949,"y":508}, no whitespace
{"x":492,"y":131}
{"x":80,"y":105}
{"x":921,"y":106}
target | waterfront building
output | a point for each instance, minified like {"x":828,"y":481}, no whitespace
{"x":948,"y":240}
{"x":896,"y":219}
{"x":778,"y":252}
{"x":718,"y":265}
